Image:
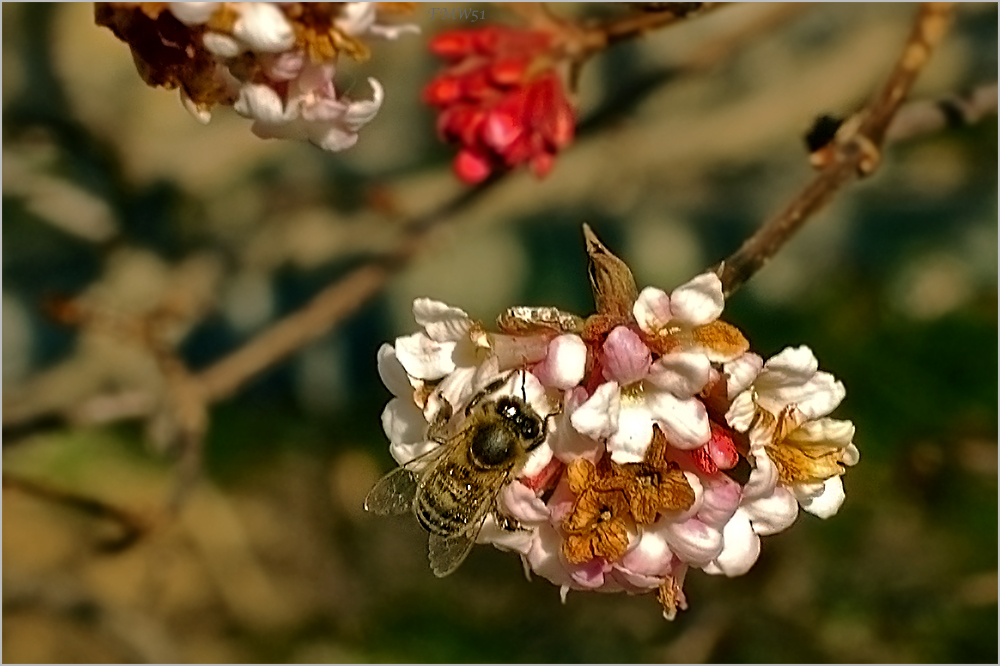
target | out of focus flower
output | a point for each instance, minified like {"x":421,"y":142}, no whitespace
{"x":669,"y":445}
{"x":274,"y":63}
{"x":501,"y":99}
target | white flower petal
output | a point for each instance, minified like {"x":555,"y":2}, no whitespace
{"x":741,"y":372}
{"x":652,"y":310}
{"x":817,"y":397}
{"x":772,"y":513}
{"x":403,"y":422}
{"x":200,"y":113}
{"x":564,"y":364}
{"x":791,"y":366}
{"x":763,"y":476}
{"x":391,"y":371}
{"x":537,"y":460}
{"x":742,"y":412}
{"x":544,"y":556}
{"x":635,"y":431}
{"x":741,"y":547}
{"x":566,"y":442}
{"x":442,"y":322}
{"x":699,"y":301}
{"x":261,"y":103}
{"x":597,"y":418}
{"x":822,"y":500}
{"x":331,"y":139}
{"x":263,"y":27}
{"x":851,"y":455}
{"x":404,"y":452}
{"x":692,"y":541}
{"x":394,"y":31}
{"x":828,"y":431}
{"x":221,"y":45}
{"x":424,"y":358}
{"x":684,"y":422}
{"x":356,"y":17}
{"x":682,"y":373}
{"x":361,"y":112}
{"x":193,"y":13}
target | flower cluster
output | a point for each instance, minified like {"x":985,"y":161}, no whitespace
{"x":500,"y":99}
{"x":669,"y":446}
{"x":274,"y":63}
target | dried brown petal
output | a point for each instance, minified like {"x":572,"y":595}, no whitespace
{"x":723,"y":341}
{"x":611,"y":280}
{"x":525,"y":320}
{"x":671,"y":596}
{"x":580,"y":475}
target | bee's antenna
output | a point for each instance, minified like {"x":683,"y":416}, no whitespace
{"x":524,"y":381}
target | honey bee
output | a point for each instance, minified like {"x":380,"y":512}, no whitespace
{"x":452,"y":488}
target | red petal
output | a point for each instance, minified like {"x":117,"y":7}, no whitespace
{"x":508,"y":71}
{"x":542,"y":164}
{"x":471,"y":167}
{"x":721,"y":448}
{"x":500,"y":129}
{"x":454,"y":44}
{"x":442,"y":91}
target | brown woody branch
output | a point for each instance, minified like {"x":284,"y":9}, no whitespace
{"x":131,"y":527}
{"x":855,"y":151}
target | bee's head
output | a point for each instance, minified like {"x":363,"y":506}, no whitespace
{"x":521,"y":418}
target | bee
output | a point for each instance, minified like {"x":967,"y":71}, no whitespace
{"x":452,"y":488}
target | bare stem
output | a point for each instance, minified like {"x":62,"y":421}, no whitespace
{"x":855,"y":152}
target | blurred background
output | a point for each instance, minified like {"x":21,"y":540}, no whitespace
{"x":689,"y":139}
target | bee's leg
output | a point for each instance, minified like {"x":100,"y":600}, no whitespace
{"x":437,"y":429}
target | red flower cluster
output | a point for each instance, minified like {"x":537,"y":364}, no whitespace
{"x":500,"y":99}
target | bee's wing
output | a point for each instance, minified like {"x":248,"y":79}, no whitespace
{"x":394,"y":492}
{"x":446,"y":553}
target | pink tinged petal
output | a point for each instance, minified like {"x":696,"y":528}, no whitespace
{"x":544,"y":557}
{"x":682,"y":373}
{"x":283,"y":66}
{"x":424,"y":358}
{"x":628,"y":444}
{"x":391,"y":371}
{"x":566,"y":442}
{"x":518,"y":541}
{"x":652,"y":310}
{"x":821,"y":499}
{"x":221,"y":45}
{"x":741,"y":372}
{"x":590,"y":575}
{"x":684,"y":422}
{"x":721,"y":448}
{"x":517,"y":351}
{"x":561,"y":503}
{"x":741,"y":548}
{"x":404,"y":452}
{"x":263,"y":27}
{"x":597,"y":418}
{"x":519,"y":502}
{"x":693,"y":541}
{"x":699,"y":301}
{"x":362,"y":112}
{"x":763,"y":476}
{"x":442,"y":323}
{"x":403,"y":422}
{"x":772,"y":513}
{"x":193,"y":13}
{"x":721,"y":499}
{"x":625,"y":357}
{"x":262,"y":103}
{"x":649,"y":556}
{"x":564,"y":364}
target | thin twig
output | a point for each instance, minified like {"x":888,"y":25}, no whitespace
{"x":132,"y":526}
{"x":638,"y":24}
{"x":926,"y":116}
{"x":856,"y":151}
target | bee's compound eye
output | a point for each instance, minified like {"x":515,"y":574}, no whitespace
{"x":528,"y":427}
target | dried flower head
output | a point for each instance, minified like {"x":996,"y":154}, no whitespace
{"x":274,"y":63}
